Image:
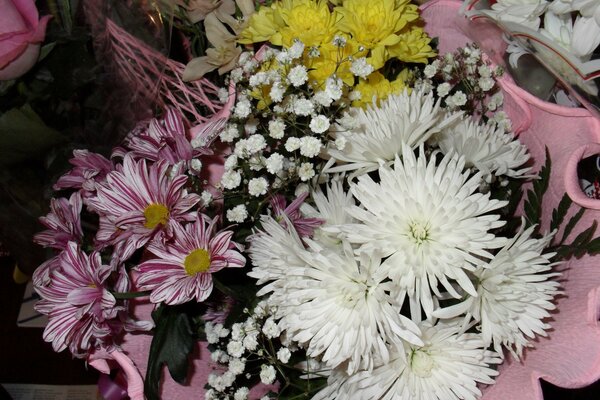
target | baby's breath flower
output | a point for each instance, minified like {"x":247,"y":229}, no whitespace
{"x":241,"y":393}
{"x":339,"y":41}
{"x":237,"y":214}
{"x":486,"y":84}
{"x":333,"y":87}
{"x":319,"y":124}
{"x":256,"y":143}
{"x":276,"y":128}
{"x":231,"y":162}
{"x":251,"y":341}
{"x":267,"y":374}
{"x":302,"y":107}
{"x":242,"y":109}
{"x":274,"y":163}
{"x":206,"y":198}
{"x":443,"y":89}
{"x":236,"y":75}
{"x":231,"y":179}
{"x":361,"y":68}
{"x":196,"y":165}
{"x":237,"y":365}
{"x":283,"y":57}
{"x":277,"y":91}
{"x":322,"y":98}
{"x":296,"y":50}
{"x":310,"y":146}
{"x":230,"y":133}
{"x":257,"y":186}
{"x":223,"y":95}
{"x":235,"y":348}
{"x":298,"y":75}
{"x":340,"y":143}
{"x":306,"y":171}
{"x":284,"y":354}
{"x":430,"y":70}
{"x":270,"y":328}
{"x":459,"y":98}
{"x":292,"y":144}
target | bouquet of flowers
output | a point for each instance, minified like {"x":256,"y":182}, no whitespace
{"x":358,"y":221}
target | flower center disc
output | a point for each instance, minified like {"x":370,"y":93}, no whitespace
{"x":421,"y":364}
{"x":197,"y":261}
{"x":156,"y":214}
{"x":419,"y":232}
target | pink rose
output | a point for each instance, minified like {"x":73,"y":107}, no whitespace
{"x":21,"y":32}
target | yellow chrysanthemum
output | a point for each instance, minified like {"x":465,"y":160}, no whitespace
{"x":376,"y":88}
{"x":374,"y":23}
{"x":413,"y":47}
{"x":333,"y":60}
{"x":309,"y":21}
{"x":262,"y":25}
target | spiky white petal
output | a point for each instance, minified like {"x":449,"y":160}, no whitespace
{"x":429,"y":220}
{"x":338,"y":306}
{"x":447,"y":367}
{"x":404,"y":119}
{"x":515,"y":293}
{"x":486,"y":147}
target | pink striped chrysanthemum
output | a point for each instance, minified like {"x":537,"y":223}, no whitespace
{"x":138,"y":201}
{"x":63,"y":223}
{"x":184,"y":267}
{"x":164,"y":139}
{"x":304,"y":226}
{"x":88,"y":169}
{"x":77,"y":303}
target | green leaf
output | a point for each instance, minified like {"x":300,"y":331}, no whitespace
{"x":572,"y":222}
{"x":559,"y":213}
{"x":46,"y":49}
{"x":533,"y":204}
{"x":23,"y":135}
{"x":172,"y":344}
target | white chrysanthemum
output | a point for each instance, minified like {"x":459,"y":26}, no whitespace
{"x":408,"y":119}
{"x":448,"y":367}
{"x":485,"y":147}
{"x":331,"y":207}
{"x":274,"y":250}
{"x":523,"y":12}
{"x":431,"y":222}
{"x":339,"y":307}
{"x":515,"y":293}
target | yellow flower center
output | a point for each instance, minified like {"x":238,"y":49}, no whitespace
{"x":197,"y":261}
{"x":156,"y":214}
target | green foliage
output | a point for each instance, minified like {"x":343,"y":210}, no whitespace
{"x":24,"y":135}
{"x":172,"y":344}
{"x":533,"y":202}
{"x":584,"y":243}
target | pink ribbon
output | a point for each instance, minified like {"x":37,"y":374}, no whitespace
{"x":109,"y":389}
